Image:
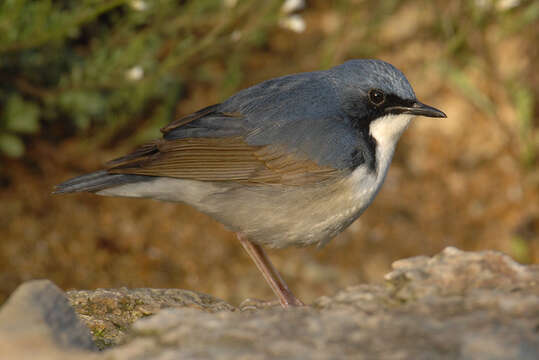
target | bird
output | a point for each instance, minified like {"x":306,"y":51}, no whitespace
{"x":292,"y":160}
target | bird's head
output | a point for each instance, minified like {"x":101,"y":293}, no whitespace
{"x":378,"y":98}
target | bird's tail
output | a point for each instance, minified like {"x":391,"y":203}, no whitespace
{"x":97,"y":181}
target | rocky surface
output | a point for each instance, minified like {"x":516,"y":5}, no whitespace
{"x":37,"y":319}
{"x":109,"y":313}
{"x":455,"y":305}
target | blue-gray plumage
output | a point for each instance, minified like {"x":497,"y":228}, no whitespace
{"x":314,"y":113}
{"x":290,"y":161}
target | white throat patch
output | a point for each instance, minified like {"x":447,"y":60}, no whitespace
{"x":388,"y":129}
{"x":364,"y":184}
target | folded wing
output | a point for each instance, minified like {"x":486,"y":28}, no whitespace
{"x":220,"y":159}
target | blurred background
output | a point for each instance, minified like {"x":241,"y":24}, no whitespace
{"x":84,"y":81}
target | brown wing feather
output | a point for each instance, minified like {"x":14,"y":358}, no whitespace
{"x":221,"y":159}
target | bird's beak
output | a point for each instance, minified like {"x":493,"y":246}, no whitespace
{"x":417,"y":108}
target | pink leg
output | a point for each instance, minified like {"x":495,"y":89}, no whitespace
{"x":274,"y":280}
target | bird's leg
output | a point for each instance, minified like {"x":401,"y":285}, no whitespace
{"x":274,"y":280}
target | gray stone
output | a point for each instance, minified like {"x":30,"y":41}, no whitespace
{"x":455,"y":305}
{"x":37,"y":319}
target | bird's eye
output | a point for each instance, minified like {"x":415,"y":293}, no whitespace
{"x":377,"y":97}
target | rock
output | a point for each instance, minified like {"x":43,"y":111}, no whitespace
{"x":37,"y":319}
{"x":456,"y":273}
{"x":110,"y":312}
{"x":455,"y":305}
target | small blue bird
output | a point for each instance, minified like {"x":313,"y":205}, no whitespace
{"x":290,"y":161}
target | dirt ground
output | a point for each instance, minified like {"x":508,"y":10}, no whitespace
{"x":458,"y":181}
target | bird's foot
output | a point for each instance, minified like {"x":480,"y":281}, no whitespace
{"x":257,"y":304}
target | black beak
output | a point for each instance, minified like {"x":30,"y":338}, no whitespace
{"x":417,"y":108}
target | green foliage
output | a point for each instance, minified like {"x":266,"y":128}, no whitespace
{"x":520,"y":249}
{"x":21,"y":116}
{"x":108,"y":66}
{"x":524,"y":101}
{"x":11,"y":145}
{"x":101,"y":64}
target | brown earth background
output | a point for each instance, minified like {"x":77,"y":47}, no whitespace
{"x":470,"y":181}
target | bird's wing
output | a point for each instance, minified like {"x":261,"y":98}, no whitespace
{"x":287,"y":130}
{"x":201,"y":147}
